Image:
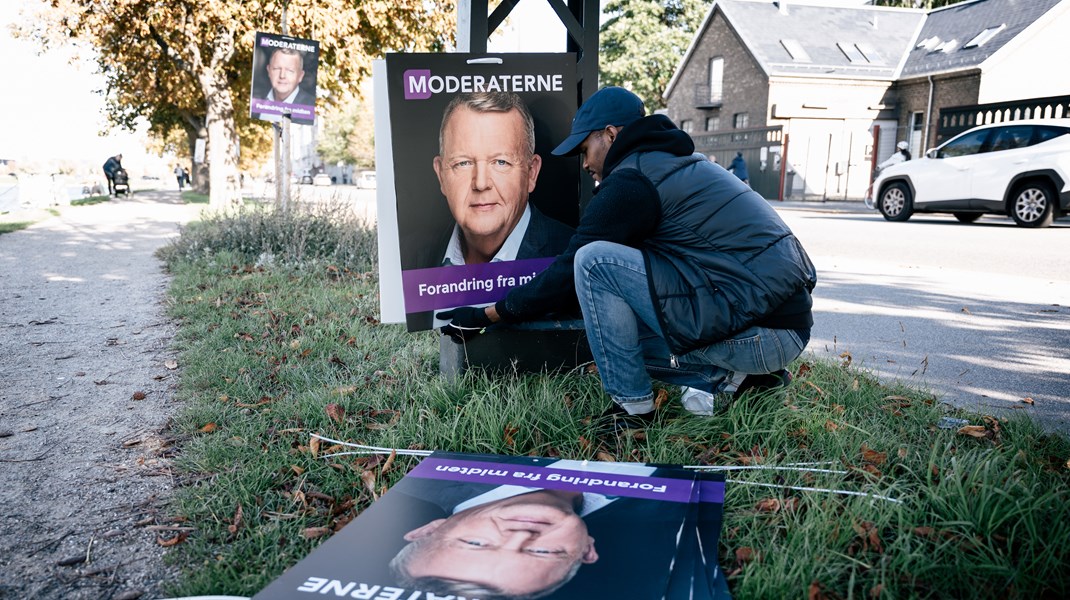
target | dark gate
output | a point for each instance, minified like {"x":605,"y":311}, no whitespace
{"x":956,"y":119}
{"x":761,"y":148}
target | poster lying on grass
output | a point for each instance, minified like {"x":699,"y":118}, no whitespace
{"x":481,"y":203}
{"x":483,"y":527}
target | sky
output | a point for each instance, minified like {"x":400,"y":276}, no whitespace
{"x":53,"y":113}
{"x":56,"y":114}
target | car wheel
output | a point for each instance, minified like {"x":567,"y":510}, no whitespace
{"x":1033,"y":204}
{"x":965,"y":217}
{"x":895,"y":202}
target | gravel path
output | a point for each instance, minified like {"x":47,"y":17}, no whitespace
{"x":86,"y":391}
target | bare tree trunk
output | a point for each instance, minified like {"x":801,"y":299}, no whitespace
{"x":224,"y":188}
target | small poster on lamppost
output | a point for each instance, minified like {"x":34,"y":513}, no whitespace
{"x":284,"y":78}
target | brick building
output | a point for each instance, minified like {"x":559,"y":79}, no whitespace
{"x":824,"y":79}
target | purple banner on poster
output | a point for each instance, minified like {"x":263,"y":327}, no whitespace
{"x":297,"y":111}
{"x":464,"y":285}
{"x":595,"y":482}
{"x":711,"y":491}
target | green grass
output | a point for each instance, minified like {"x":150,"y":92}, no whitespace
{"x":90,"y":200}
{"x":14,"y":226}
{"x":266,"y":349}
{"x":191,"y":197}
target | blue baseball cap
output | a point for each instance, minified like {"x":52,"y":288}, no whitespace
{"x":608,"y":106}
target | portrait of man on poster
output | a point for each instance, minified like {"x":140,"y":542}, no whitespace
{"x":286,"y":70}
{"x":486,"y":169}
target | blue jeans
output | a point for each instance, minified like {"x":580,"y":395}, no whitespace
{"x":628,"y":344}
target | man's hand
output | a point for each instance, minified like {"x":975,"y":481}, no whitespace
{"x":466,"y":322}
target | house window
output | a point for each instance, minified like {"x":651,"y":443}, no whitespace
{"x":687,"y":125}
{"x":716,"y":80}
{"x":713,"y":123}
{"x":740,"y":120}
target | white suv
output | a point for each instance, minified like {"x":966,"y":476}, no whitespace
{"x":1015,"y":168}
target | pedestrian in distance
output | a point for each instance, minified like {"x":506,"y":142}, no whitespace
{"x":112,"y":166}
{"x":901,"y":154}
{"x":738,"y":167}
{"x":180,"y":175}
{"x":682,"y":272}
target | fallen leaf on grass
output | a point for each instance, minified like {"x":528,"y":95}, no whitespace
{"x":509,"y":432}
{"x":661,"y":398}
{"x":770,"y":505}
{"x":846,"y":356}
{"x":235,"y":522}
{"x":803,"y":371}
{"x":314,"y":446}
{"x":168,"y":542}
{"x":872,"y":456}
{"x":876,"y":591}
{"x":924,"y":531}
{"x":829,"y":425}
{"x":335,"y":412}
{"x":604,"y":456}
{"x":815,"y":386}
{"x":209,"y":428}
{"x":745,"y":555}
{"x":311,"y":533}
{"x":373,"y":424}
{"x":389,"y":462}
{"x":368,"y":477}
{"x":977,"y":431}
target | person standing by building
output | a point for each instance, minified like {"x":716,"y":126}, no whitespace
{"x":682,"y":272}
{"x":738,"y":167}
{"x":111,"y":166}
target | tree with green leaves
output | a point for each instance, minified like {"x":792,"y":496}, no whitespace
{"x":643,"y":41}
{"x":348,"y":135}
{"x":186,"y":64}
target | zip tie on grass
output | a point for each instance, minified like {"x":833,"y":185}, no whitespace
{"x":370,"y":449}
{"x":812,"y":489}
{"x":363,"y":450}
{"x":761,"y":468}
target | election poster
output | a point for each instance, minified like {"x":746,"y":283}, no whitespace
{"x":475,"y":526}
{"x":481,"y":204}
{"x":284,"y":78}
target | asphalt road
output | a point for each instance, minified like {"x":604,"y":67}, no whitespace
{"x":978,"y":314}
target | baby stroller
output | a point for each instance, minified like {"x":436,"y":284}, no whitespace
{"x":121,"y":181}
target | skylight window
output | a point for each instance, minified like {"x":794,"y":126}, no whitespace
{"x":795,"y":51}
{"x":980,"y":39}
{"x":852,"y":52}
{"x":947,"y":47}
{"x":870,"y":53}
{"x":929,"y":43}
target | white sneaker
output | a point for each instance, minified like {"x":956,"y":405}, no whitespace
{"x":698,"y":402}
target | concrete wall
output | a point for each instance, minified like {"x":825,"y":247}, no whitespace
{"x":1033,"y":64}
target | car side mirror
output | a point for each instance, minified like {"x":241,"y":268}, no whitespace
{"x":933,"y":153}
